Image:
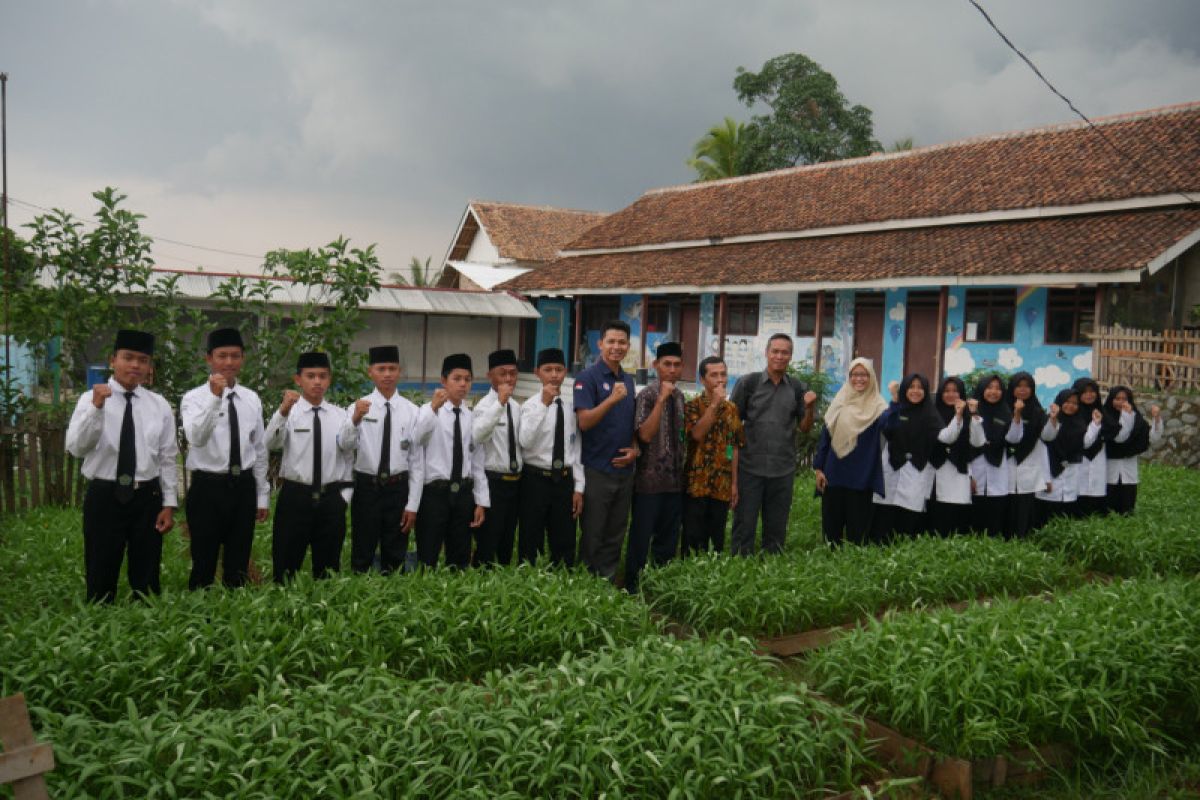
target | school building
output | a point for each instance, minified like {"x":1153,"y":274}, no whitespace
{"x":1000,"y":251}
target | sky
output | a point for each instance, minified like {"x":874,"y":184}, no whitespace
{"x":246,"y":126}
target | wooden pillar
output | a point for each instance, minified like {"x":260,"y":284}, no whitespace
{"x":1100,"y":295}
{"x":642,"y":331}
{"x":939,"y":355}
{"x":722,"y":324}
{"x":817,"y":332}
{"x":499,"y":332}
{"x":578,"y":330}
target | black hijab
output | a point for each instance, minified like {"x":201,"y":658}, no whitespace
{"x":915,"y":437}
{"x":1033,"y":416}
{"x":1107,"y":429}
{"x":996,"y":419}
{"x":1139,"y":439}
{"x":1067,"y":446}
{"x":959,"y":452}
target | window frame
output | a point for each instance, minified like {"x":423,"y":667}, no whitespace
{"x":1080,"y":302}
{"x":993,"y":301}
{"x":806,"y":303}
{"x":740,"y":307}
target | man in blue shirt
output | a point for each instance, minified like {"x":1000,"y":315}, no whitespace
{"x":604,"y":410}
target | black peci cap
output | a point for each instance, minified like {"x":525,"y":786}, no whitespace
{"x":456,"y":361}
{"x":225,"y":337}
{"x":384,"y":354}
{"x":137,"y":341}
{"x":551,"y":355}
{"x":314,"y":360}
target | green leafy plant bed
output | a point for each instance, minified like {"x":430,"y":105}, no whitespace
{"x":1161,"y":537}
{"x":798,"y":592}
{"x":217,"y":648}
{"x":1109,"y":671}
{"x":653,"y":719}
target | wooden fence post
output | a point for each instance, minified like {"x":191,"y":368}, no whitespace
{"x":24,"y":761}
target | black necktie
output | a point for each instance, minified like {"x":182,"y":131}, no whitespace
{"x":316,"y":442}
{"x":385,"y":455}
{"x":126,"y":454}
{"x":235,"y":440}
{"x":560,"y":449}
{"x":512,"y":440}
{"x":457,"y":463}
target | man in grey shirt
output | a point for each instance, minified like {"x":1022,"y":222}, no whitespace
{"x":770,"y":403}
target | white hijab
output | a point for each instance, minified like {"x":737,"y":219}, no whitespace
{"x":852,"y":412}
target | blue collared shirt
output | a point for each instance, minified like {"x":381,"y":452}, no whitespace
{"x":615,"y":430}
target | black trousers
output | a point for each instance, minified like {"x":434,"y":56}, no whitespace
{"x":1092,"y":506}
{"x":770,"y":496}
{"x":300,"y":523}
{"x":220,"y":514}
{"x":110,"y":528}
{"x":376,"y":514}
{"x":846,"y":515}
{"x":653,"y":533}
{"x":1122,"y":498}
{"x":947,"y":519}
{"x":990,"y":514}
{"x":545,"y":512}
{"x":1022,"y":519}
{"x":444,"y":520}
{"x":1045,"y":510}
{"x":704,"y":524}
{"x":494,"y":539}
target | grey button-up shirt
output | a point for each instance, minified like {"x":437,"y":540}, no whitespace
{"x":770,"y":450}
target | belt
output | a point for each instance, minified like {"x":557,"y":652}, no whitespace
{"x":376,"y":480}
{"x":136,"y":484}
{"x":548,"y":473}
{"x":202,"y":474}
{"x":453,"y":486}
{"x":325,"y":488}
{"x":503,"y":476}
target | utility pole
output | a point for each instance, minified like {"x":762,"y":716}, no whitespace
{"x":4,"y":227}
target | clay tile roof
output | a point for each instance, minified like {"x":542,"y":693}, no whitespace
{"x":1099,"y":243}
{"x":1052,"y":166}
{"x":532,"y":233}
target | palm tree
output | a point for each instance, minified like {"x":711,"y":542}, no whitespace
{"x":719,"y":153}
{"x":902,"y":144}
{"x":418,"y":274}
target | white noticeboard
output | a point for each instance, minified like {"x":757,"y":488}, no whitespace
{"x":776,"y":318}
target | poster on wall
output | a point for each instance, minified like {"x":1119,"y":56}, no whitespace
{"x":776,"y":318}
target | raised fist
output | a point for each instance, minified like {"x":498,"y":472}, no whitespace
{"x":810,"y":398}
{"x":719,"y":395}
{"x":100,"y":393}
{"x":440,"y":396}
{"x":973,"y":405}
{"x":217,"y":384}
{"x":504,"y":392}
{"x":1053,"y":410}
{"x":667,"y":389}
{"x":361,"y":407}
{"x":619,"y":392}
{"x":1097,"y":417}
{"x":290,"y":398}
{"x":1019,"y":406}
{"x":959,"y":405}
{"x":550,"y":393}
{"x":894,"y":389}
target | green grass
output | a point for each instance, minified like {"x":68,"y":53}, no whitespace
{"x":1109,"y":670}
{"x":799,"y":591}
{"x":1162,"y":537}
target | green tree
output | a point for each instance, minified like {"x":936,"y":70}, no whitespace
{"x":810,"y":119}
{"x":900,"y":145}
{"x":418,"y":274}
{"x":720,"y":153}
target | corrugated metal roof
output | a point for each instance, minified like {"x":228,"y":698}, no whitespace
{"x":413,"y":300}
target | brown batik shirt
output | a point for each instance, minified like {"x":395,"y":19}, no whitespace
{"x":710,"y":462}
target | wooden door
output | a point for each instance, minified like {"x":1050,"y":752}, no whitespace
{"x":689,"y":338}
{"x":921,"y":335}
{"x":868,"y":328}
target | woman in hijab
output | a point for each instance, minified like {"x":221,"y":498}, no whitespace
{"x":1093,"y":474}
{"x":1028,"y":472}
{"x":910,"y":430}
{"x":950,"y":506}
{"x":991,"y":470}
{"x":1134,"y":437}
{"x":1067,"y":433}
{"x":847,"y":464}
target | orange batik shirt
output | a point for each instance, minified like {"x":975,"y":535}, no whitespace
{"x":709,"y":464}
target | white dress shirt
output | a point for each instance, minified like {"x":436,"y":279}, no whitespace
{"x":491,"y":432}
{"x":993,"y":481}
{"x":435,"y":434}
{"x":951,"y":485}
{"x":206,"y":426}
{"x":1125,"y":470}
{"x":537,"y":436}
{"x":1064,"y":488}
{"x":1093,"y":472}
{"x":1030,"y":476}
{"x":405,"y":454}
{"x":293,"y":435}
{"x":94,"y":435}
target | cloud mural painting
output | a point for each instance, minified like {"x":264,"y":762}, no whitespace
{"x":896,"y":313}
{"x":1083,"y":361}
{"x":1009,"y":359}
{"x":959,"y":361}
{"x":1051,"y":376}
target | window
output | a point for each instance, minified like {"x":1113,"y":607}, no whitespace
{"x":741,"y":313}
{"x":1070,"y":315}
{"x":599,"y":310}
{"x":990,"y":315}
{"x":658,"y":316}
{"x":806,"y":314}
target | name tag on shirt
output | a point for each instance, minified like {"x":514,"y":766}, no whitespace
{"x":301,"y":430}
{"x":369,"y":419}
